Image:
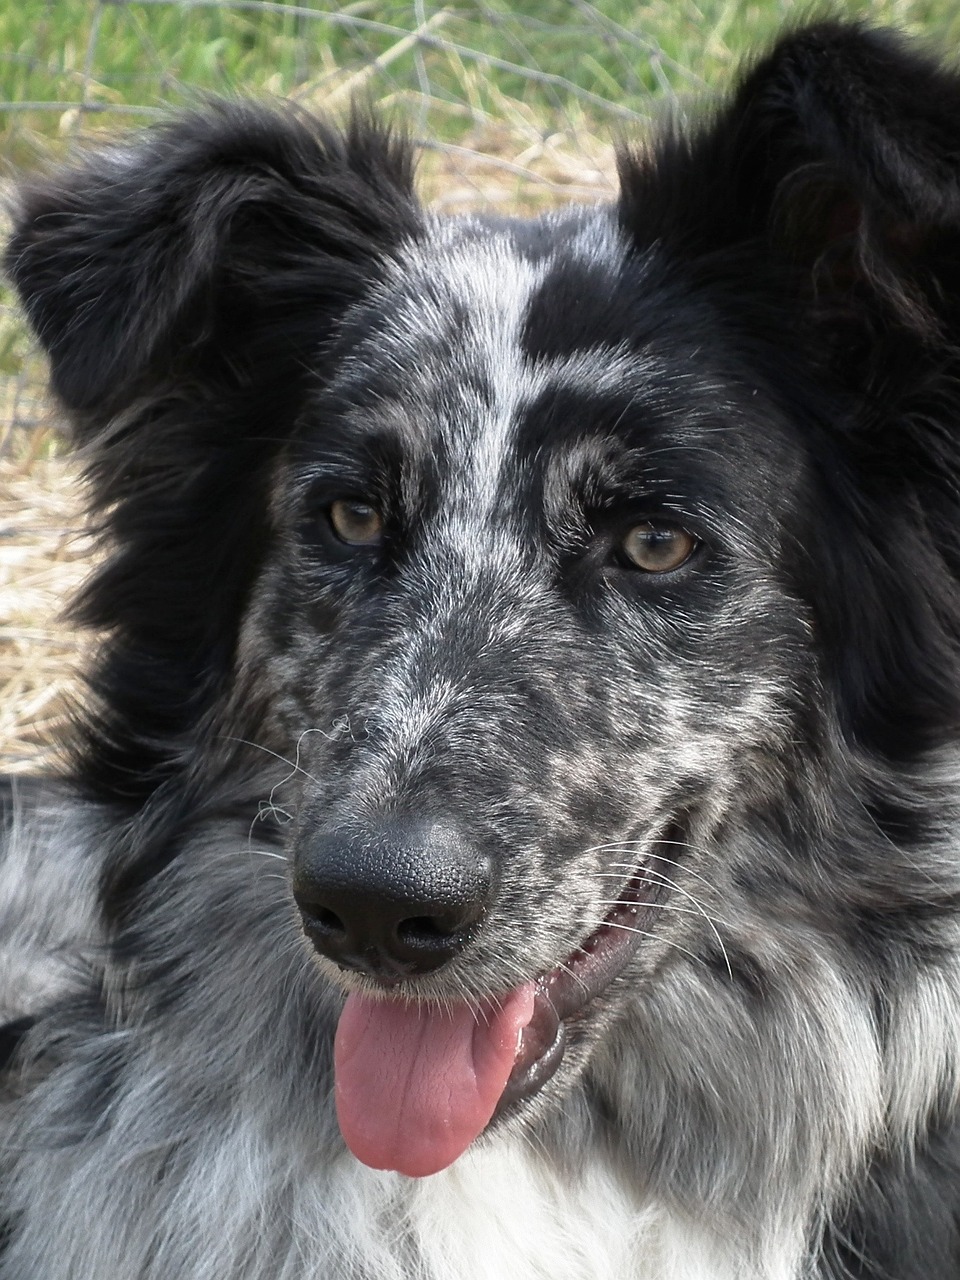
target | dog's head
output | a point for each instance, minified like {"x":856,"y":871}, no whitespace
{"x":552,"y":552}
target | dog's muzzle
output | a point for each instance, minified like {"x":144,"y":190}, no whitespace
{"x":417,"y":1081}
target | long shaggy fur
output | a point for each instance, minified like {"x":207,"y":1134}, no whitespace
{"x":249,"y":317}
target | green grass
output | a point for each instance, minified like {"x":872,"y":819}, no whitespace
{"x":126,"y":59}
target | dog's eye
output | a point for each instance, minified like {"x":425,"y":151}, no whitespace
{"x":356,"y":523}
{"x":658,"y":548}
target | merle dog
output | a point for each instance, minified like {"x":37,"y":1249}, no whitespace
{"x":512,"y":829}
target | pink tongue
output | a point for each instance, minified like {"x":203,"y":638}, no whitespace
{"x":415,"y":1084}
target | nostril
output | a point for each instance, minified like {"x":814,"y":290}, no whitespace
{"x":328,"y":920}
{"x":320,"y":920}
{"x":426,"y":929}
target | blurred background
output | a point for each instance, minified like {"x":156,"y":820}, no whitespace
{"x":515,"y":104}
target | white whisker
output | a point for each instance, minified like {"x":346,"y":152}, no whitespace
{"x":655,"y":906}
{"x":267,"y":853}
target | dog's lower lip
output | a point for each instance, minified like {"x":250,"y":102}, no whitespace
{"x":564,"y":993}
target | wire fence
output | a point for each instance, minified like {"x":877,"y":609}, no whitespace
{"x":314,"y":45}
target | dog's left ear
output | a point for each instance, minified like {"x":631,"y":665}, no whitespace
{"x":820,"y":208}
{"x":839,"y":155}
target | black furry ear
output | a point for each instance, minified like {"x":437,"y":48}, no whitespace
{"x":218,"y":244}
{"x":821,"y":208}
{"x":186,"y":287}
{"x":839,"y":152}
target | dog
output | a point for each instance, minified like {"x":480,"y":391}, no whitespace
{"x":513,"y":822}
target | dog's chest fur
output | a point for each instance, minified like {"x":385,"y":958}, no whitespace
{"x":500,"y":1212}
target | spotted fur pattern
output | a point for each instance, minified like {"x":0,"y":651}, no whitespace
{"x":249,"y":317}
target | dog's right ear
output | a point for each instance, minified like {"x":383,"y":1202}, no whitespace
{"x":223,"y":244}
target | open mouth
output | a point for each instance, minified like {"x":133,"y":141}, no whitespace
{"x":416,"y":1083}
{"x":564,"y":994}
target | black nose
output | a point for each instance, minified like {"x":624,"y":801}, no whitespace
{"x":394,"y":902}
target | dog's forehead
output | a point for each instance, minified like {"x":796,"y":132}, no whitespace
{"x":460,"y":300}
{"x":448,"y":350}
{"x":553,"y":343}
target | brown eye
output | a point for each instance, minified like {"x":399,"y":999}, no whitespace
{"x":356,"y":523}
{"x":658,"y":548}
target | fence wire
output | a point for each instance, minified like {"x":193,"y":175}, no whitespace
{"x":121,"y":60}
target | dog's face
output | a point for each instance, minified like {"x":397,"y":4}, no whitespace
{"x":544,"y":552}
{"x":528,"y":580}
{"x":527,"y":617}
